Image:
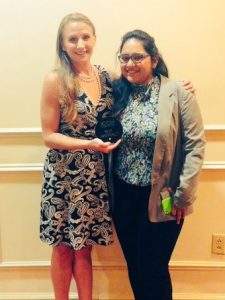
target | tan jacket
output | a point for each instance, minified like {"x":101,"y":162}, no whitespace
{"x":179,"y":149}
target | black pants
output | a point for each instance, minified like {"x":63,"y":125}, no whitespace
{"x":147,"y":246}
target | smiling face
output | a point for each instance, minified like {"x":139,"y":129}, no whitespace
{"x":141,"y":72}
{"x":78,"y":40}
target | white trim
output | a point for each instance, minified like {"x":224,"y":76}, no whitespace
{"x":37,"y":167}
{"x":198,"y":296}
{"x":24,"y":264}
{"x":174,"y":265}
{"x":50,"y":296}
{"x":17,"y":130}
{"x":215,"y":127}
{"x":214,"y":165}
{"x":37,"y":130}
{"x":25,"y":167}
{"x":197,"y":265}
{"x":31,"y":296}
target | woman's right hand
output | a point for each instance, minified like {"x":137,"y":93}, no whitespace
{"x":105,"y":147}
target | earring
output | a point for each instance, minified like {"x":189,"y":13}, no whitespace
{"x":64,"y":52}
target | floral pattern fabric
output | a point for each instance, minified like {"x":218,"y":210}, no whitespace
{"x":75,"y":204}
{"x":133,"y":162}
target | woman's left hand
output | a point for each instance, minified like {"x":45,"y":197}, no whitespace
{"x":188,"y":85}
{"x":179,"y":213}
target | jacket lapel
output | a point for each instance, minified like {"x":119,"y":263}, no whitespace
{"x":165,"y":111}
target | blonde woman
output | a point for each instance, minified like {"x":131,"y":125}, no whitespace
{"x":75,"y":206}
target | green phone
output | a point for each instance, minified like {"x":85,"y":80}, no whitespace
{"x":167,"y":205}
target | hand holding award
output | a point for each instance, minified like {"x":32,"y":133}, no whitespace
{"x":109,"y":129}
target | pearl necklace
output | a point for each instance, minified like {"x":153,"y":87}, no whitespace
{"x":88,"y":78}
{"x":94,"y":78}
{"x":97,"y":77}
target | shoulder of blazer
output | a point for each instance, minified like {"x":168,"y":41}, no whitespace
{"x":174,"y":87}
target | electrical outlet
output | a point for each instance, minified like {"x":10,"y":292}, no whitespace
{"x":218,"y":243}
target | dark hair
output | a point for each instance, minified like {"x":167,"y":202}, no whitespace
{"x":122,"y":87}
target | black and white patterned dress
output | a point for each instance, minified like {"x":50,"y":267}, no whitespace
{"x":75,"y":204}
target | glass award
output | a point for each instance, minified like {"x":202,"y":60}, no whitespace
{"x":109,"y":129}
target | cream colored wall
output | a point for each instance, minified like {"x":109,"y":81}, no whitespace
{"x":190,"y":35}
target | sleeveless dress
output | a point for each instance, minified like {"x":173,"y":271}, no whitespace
{"x":75,"y":205}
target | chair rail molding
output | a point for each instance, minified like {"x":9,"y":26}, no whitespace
{"x":37,"y":130}
{"x":24,"y":167}
{"x":19,"y":130}
{"x":38,"y":167}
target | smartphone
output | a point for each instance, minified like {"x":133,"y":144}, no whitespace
{"x":167,"y":205}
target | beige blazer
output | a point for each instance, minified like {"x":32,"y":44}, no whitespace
{"x":179,"y":149}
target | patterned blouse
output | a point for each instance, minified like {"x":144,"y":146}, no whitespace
{"x":133,"y":162}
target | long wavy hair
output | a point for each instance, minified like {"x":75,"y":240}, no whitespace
{"x":65,"y":69}
{"x":122,"y":87}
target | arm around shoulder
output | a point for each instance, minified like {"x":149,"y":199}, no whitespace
{"x":113,"y":75}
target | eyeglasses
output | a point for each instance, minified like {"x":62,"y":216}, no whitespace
{"x":136,"y":58}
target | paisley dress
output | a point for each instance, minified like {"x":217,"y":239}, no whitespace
{"x":75,"y":205}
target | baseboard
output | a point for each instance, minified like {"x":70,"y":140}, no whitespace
{"x":198,"y":296}
{"x":33,"y":296}
{"x":50,"y":296}
{"x":30,"y":296}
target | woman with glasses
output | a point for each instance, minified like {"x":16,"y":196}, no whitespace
{"x":156,"y":166}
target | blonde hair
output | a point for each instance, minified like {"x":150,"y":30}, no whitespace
{"x":68,"y":83}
